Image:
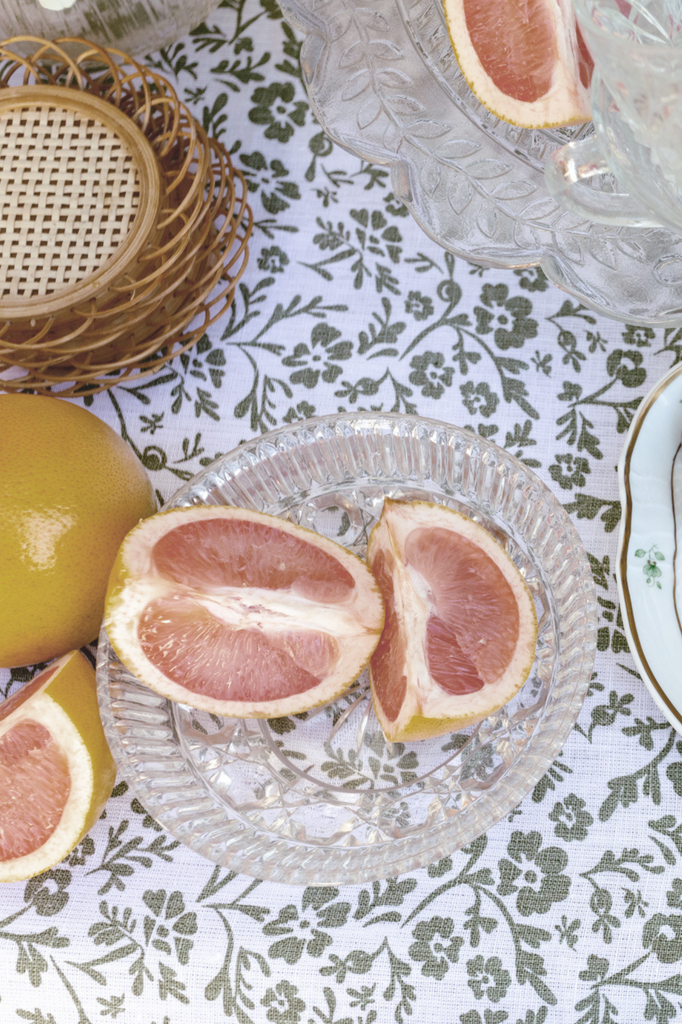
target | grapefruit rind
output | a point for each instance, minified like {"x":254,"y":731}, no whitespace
{"x":72,"y":488}
{"x":66,"y":705}
{"x":427,"y":710}
{"x":566,"y":102}
{"x":133,"y":585}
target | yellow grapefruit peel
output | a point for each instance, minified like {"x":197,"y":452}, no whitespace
{"x":71,"y":489}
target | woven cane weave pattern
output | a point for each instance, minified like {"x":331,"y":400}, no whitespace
{"x":189,"y":267}
{"x":69,"y":192}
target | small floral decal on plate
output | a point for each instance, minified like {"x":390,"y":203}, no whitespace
{"x":651,"y":568}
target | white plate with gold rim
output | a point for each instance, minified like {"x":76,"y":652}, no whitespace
{"x":649,"y":566}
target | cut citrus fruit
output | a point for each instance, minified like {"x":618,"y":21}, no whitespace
{"x":461,"y":628}
{"x":240,"y":613}
{"x":56,"y":771}
{"x":526,"y":62}
{"x":71,"y":489}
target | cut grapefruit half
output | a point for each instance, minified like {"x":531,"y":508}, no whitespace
{"x":56,"y":771}
{"x":460,"y":632}
{"x":239,"y":613}
{"x":525,"y":60}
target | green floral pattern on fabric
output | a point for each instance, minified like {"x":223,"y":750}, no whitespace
{"x":435,"y":946}
{"x":276,"y":110}
{"x":508,"y":318}
{"x":488,"y":978}
{"x":569,"y":911}
{"x":540,"y":870}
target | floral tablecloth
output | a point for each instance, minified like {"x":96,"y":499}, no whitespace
{"x":569,"y":911}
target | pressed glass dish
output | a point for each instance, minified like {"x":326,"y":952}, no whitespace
{"x":383,"y":81}
{"x":135,"y":26}
{"x":322,"y":798}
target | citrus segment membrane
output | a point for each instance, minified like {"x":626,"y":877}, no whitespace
{"x":524,"y":59}
{"x":240,"y":613}
{"x":585,"y":62}
{"x":56,"y":771}
{"x":461,"y":628}
{"x":447,"y":662}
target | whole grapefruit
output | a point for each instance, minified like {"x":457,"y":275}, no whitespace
{"x":70,"y":490}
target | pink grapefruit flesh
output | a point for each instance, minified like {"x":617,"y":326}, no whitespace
{"x":524,"y":59}
{"x":195,"y":650}
{"x":242,"y":553}
{"x":389,"y":668}
{"x":473,"y":600}
{"x":34,"y":777}
{"x":56,"y":771}
{"x":241,"y":613}
{"x":518,"y":70}
{"x":460,"y":633}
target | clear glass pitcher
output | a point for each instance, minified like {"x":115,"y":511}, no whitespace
{"x":637,"y":112}
{"x":134,"y":26}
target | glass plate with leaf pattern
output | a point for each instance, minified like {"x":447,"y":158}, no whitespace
{"x":384,"y":83}
{"x":321,"y":797}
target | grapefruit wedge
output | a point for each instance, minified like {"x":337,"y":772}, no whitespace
{"x":460,"y":632}
{"x":240,"y":613}
{"x":56,"y":771}
{"x":525,"y":60}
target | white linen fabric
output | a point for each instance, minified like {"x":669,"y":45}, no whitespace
{"x":570,"y":910}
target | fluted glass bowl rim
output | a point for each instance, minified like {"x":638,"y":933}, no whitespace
{"x":257,"y":853}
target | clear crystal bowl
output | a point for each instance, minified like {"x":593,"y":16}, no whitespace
{"x":384,"y":83}
{"x":134,"y":26}
{"x":321,"y":797}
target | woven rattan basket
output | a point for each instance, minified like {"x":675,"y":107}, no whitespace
{"x":123,"y":227}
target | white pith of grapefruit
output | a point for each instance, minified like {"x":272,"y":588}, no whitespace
{"x":239,"y":613}
{"x":525,"y":61}
{"x":56,"y":771}
{"x":461,"y":628}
